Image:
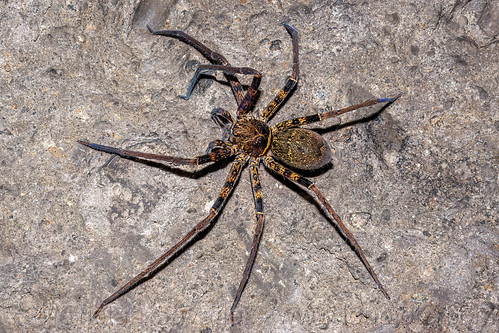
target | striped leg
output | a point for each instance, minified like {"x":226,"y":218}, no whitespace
{"x":213,"y":57}
{"x":231,"y":180}
{"x":271,"y":109}
{"x":243,"y":107}
{"x":214,"y":153}
{"x":272,"y":165}
{"x":257,"y":196}
{"x":325,"y":115}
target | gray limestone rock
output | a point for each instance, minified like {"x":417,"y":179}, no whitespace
{"x":416,"y":183}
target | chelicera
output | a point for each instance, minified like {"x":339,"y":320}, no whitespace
{"x":283,"y":148}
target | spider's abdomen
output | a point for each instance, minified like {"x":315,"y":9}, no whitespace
{"x":251,"y":136}
{"x":301,"y":148}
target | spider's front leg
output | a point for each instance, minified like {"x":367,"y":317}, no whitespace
{"x":227,"y":70}
{"x":243,"y":107}
{"x":213,"y":57}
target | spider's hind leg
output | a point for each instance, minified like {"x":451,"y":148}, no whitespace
{"x":190,"y":237}
{"x":274,"y":166}
{"x":257,"y":196}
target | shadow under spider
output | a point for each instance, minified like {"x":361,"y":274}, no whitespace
{"x":341,"y":125}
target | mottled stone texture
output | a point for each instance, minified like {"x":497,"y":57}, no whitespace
{"x":417,"y":183}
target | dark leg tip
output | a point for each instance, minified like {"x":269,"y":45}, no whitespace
{"x":392,"y":99}
{"x":289,"y":28}
{"x":150,"y":29}
{"x":96,"y":313}
{"x":384,"y":292}
{"x":85,"y":143}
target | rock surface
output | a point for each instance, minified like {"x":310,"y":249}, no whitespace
{"x":416,"y":183}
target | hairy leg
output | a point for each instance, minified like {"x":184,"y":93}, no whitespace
{"x":274,"y":166}
{"x":257,"y":196}
{"x":230,"y":182}
{"x":212,"y":156}
{"x":325,"y":115}
{"x":213,"y":57}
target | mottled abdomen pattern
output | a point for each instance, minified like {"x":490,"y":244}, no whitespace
{"x":300,"y":148}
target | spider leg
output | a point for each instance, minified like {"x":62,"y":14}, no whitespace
{"x":271,"y":109}
{"x":272,"y":165}
{"x":250,"y":93}
{"x":321,"y":116}
{"x":213,"y":57}
{"x":257,"y":196}
{"x":212,"y":156}
{"x":215,"y":146}
{"x":231,"y":180}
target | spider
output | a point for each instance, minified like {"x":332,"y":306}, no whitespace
{"x":283,"y":148}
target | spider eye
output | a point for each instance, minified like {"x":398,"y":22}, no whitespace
{"x":301,"y":148}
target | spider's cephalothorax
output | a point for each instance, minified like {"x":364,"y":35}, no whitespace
{"x":251,"y":141}
{"x":251,"y":135}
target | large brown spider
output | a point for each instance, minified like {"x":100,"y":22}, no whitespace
{"x":251,"y":140}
